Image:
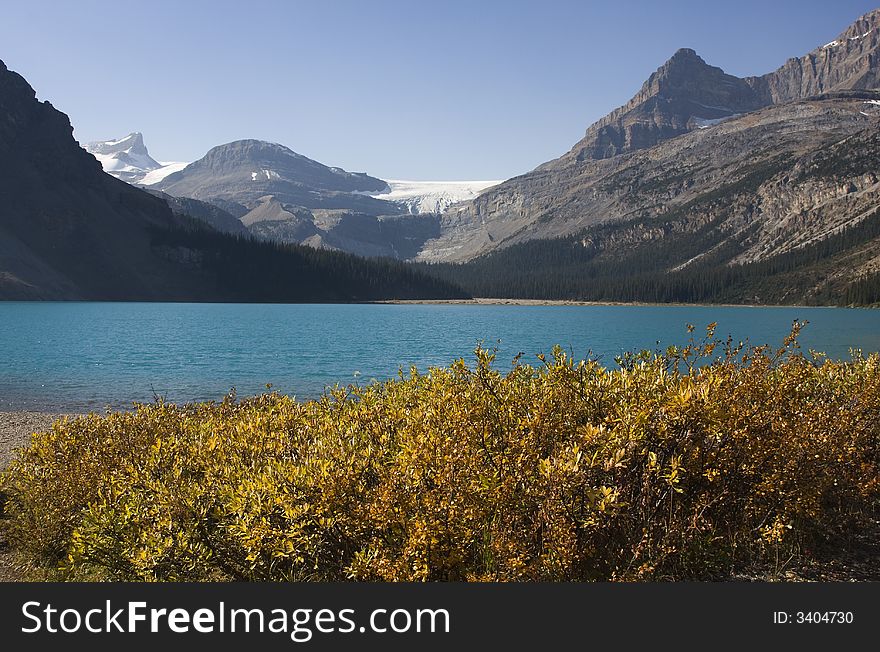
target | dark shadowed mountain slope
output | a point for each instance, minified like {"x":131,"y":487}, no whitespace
{"x":214,"y":216}
{"x":67,"y":230}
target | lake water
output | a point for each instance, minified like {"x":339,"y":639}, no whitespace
{"x":76,"y":356}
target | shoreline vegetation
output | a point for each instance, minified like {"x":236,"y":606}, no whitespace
{"x":481,"y":301}
{"x":493,"y":301}
{"x":706,"y":462}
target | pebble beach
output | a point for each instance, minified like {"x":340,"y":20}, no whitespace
{"x":15,"y":431}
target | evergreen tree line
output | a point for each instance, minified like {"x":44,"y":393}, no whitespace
{"x":580,"y":267}
{"x":249,"y":270}
{"x":864,"y":292}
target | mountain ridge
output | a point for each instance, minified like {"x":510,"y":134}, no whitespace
{"x":566,"y":195}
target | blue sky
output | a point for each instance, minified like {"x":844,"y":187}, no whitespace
{"x":414,"y":90}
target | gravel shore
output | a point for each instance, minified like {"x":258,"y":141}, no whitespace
{"x":15,"y":431}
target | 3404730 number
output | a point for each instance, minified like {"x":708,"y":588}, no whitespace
{"x":824,"y":617}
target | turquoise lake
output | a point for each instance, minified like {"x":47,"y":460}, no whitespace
{"x":87,"y":356}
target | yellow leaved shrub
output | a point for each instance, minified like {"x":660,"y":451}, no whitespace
{"x":693,"y":463}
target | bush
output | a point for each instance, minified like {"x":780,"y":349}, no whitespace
{"x":683,"y":464}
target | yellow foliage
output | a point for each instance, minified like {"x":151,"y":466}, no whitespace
{"x":677,"y":465}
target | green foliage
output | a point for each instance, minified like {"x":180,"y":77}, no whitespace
{"x":689,"y":464}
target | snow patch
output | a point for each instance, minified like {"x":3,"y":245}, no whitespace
{"x":155,"y":176}
{"x":835,"y":43}
{"x":270,"y":174}
{"x":430,"y":196}
{"x":705,"y":123}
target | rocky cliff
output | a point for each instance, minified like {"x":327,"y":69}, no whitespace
{"x":849,"y":62}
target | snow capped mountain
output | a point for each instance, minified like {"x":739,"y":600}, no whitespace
{"x":431,"y":196}
{"x":128,"y":159}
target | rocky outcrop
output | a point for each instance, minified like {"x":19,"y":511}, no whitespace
{"x":849,"y":62}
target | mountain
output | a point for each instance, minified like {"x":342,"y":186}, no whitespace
{"x":686,"y":93}
{"x":70,"y":231}
{"x":244,"y":171}
{"x":779,"y":206}
{"x":692,"y":139}
{"x":282,"y":196}
{"x":67,"y":229}
{"x":129,"y":160}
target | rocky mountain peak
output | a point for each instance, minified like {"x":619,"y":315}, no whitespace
{"x":125,"y":158}
{"x":686,"y":76}
{"x":682,"y":94}
{"x":686,"y":93}
{"x":132,"y":143}
{"x":680,"y":67}
{"x":248,"y":151}
{"x":243,"y":171}
{"x":683,"y":58}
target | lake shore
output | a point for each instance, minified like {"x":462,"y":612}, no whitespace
{"x":16,"y":429}
{"x":489,"y":301}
